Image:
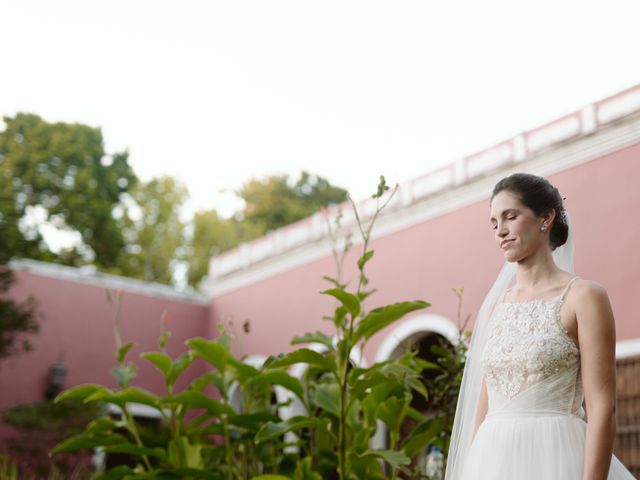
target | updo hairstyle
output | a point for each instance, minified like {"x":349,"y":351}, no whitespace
{"x":537,"y":194}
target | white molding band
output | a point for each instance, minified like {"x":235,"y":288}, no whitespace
{"x":628,"y":348}
{"x":412,"y":327}
{"x":90,"y":276}
{"x":409,"y":208}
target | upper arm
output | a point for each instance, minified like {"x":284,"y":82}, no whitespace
{"x":597,"y":337}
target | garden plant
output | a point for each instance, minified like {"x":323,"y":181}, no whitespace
{"x":339,"y":405}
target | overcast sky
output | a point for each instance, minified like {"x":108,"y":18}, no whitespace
{"x":217,"y":92}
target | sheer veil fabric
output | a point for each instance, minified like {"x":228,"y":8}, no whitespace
{"x":464,"y":422}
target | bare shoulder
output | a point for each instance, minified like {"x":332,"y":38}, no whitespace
{"x":584,"y":290}
{"x":590,"y":302}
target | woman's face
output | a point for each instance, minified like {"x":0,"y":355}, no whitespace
{"x":516,"y":227}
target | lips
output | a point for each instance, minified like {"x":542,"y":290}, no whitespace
{"x":506,"y":242}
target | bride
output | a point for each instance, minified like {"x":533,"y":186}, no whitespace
{"x":542,"y":345}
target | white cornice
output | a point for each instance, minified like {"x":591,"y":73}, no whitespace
{"x":567,"y":154}
{"x":92,"y":277}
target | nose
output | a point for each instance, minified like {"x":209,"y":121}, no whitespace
{"x":501,"y":231}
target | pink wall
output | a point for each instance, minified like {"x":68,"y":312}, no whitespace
{"x":457,"y":250}
{"x":78,"y":323}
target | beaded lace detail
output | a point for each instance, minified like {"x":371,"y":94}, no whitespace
{"x":526,"y":343}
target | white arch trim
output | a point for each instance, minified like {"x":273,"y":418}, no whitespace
{"x":628,"y":348}
{"x":426,"y":323}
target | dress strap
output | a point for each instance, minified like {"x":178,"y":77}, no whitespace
{"x":566,"y":289}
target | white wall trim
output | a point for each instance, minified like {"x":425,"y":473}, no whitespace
{"x":399,"y":215}
{"x":90,"y":276}
{"x":627,"y":348}
{"x":426,"y":323}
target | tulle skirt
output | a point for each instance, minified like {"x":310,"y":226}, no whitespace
{"x":531,"y":445}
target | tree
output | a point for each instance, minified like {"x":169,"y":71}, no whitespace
{"x":270,"y":203}
{"x":61,"y":172}
{"x":211,"y":236}
{"x":153,"y":230}
{"x":275,"y":202}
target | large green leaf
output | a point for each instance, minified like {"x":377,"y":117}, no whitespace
{"x":350,"y":301}
{"x":278,"y":377}
{"x":393,"y":410}
{"x":194,"y":399}
{"x":304,"y":355}
{"x":83,"y":441}
{"x":131,"y":449}
{"x":272,"y":430}
{"x":214,"y":353}
{"x":393,"y":458}
{"x":304,"y":471}
{"x":380,"y":318}
{"x":116,"y":473}
{"x":327,"y":397}
{"x":178,"y":366}
{"x":423,"y":435}
{"x":315,"y":337}
{"x":161,"y":360}
{"x":252,"y":421}
{"x":128,"y":395}
{"x":81,"y":392}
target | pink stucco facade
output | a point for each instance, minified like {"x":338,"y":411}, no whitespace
{"x":457,"y":249}
{"x":76,"y":323}
{"x":435,"y":237}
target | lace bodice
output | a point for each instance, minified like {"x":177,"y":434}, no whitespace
{"x":528,"y":350}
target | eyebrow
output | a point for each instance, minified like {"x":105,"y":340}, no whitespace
{"x":505,"y":212}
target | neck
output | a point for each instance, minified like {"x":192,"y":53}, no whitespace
{"x":537,"y":269}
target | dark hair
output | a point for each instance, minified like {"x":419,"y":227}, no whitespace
{"x":537,"y":194}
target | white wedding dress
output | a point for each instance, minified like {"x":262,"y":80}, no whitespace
{"x":534,"y":427}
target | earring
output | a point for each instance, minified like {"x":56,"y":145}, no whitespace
{"x":543,"y":227}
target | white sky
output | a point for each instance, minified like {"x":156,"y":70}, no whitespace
{"x":216,"y":92}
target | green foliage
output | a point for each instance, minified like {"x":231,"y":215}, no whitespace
{"x":63,"y":169}
{"x":153,"y":229}
{"x":226,"y":423}
{"x":274,"y":202}
{"x":270,"y":203}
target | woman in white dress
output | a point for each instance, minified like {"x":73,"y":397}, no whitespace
{"x":542,"y":345}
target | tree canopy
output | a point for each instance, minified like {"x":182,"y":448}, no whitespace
{"x":58,"y":175}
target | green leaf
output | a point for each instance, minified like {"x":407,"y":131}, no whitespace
{"x":327,"y":397}
{"x":82,"y":441}
{"x":347,"y":299}
{"x":380,"y":318}
{"x":128,"y":395}
{"x":272,"y":430}
{"x":161,"y":360}
{"x":423,"y":435}
{"x":124,"y":373}
{"x":315,"y":337}
{"x":364,"y":259}
{"x":278,"y":377}
{"x":80,"y":392}
{"x":270,"y":477}
{"x":393,"y":410}
{"x":102,"y":425}
{"x":194,"y":399}
{"x":252,"y":421}
{"x":211,"y":351}
{"x":131,"y":449}
{"x":393,"y":458}
{"x":304,"y":355}
{"x":304,"y":471}
{"x":178,"y":366}
{"x":122,"y":351}
{"x":116,"y":473}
